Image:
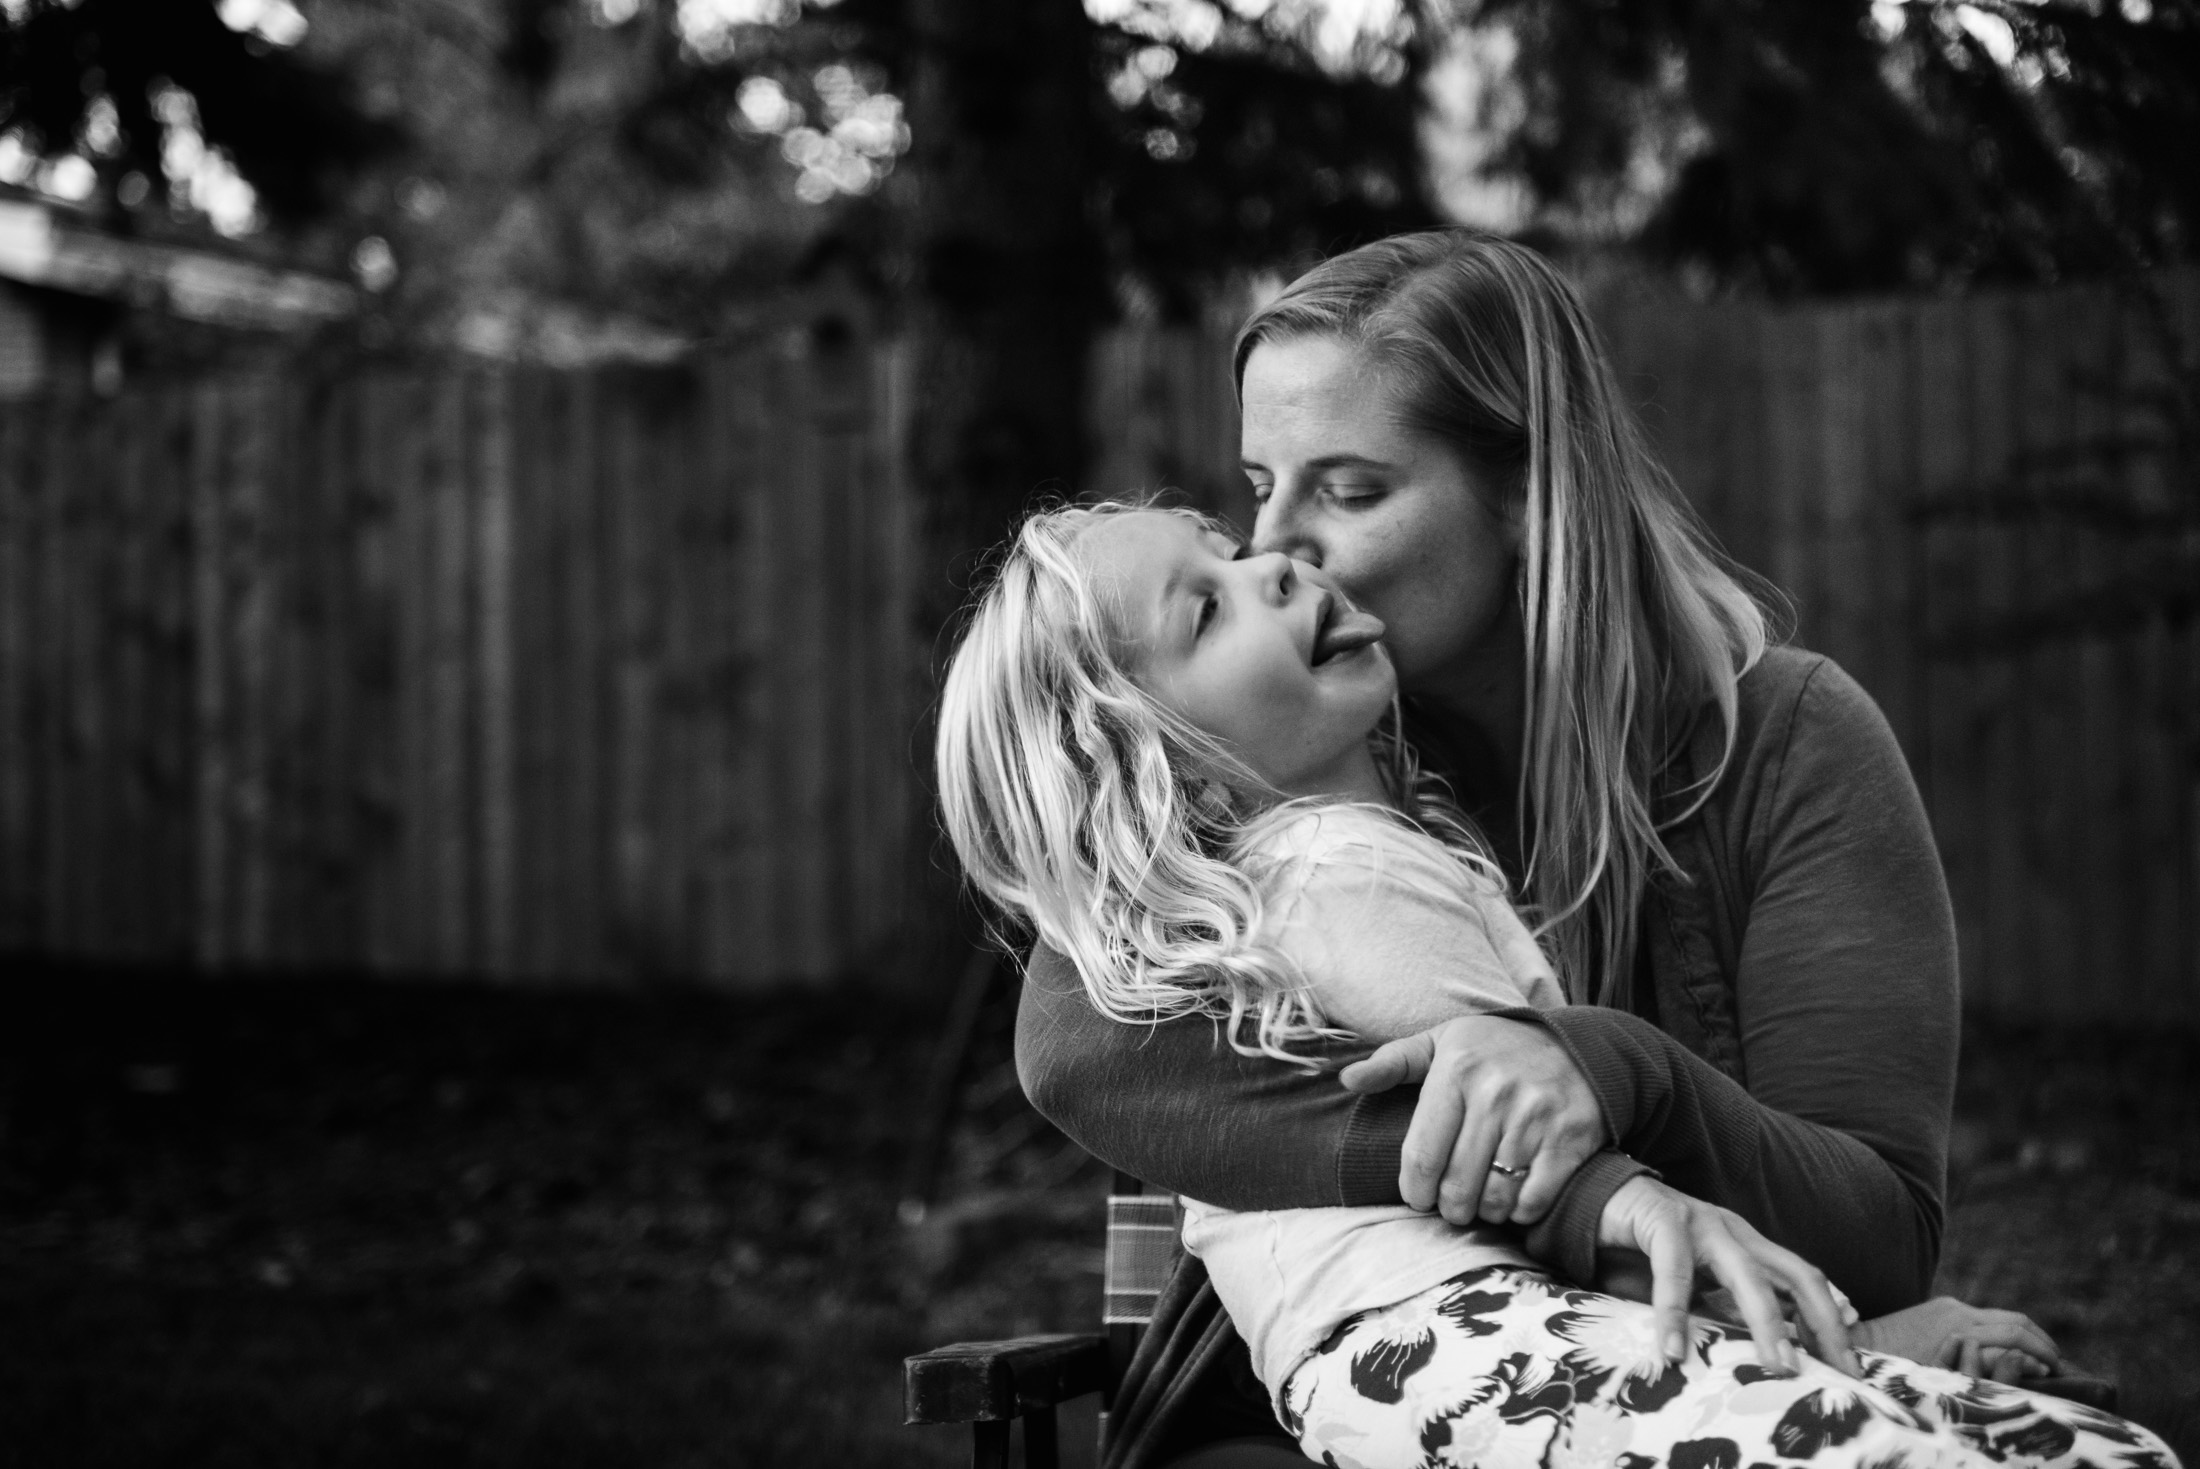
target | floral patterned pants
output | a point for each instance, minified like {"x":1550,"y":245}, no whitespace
{"x":1508,"y":1369}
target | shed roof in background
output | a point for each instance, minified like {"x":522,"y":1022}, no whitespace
{"x":41,"y":245}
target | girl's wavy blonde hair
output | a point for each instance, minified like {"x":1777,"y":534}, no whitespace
{"x":1635,"y":623}
{"x":1126,"y":837}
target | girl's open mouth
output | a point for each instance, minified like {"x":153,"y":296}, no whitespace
{"x":1341,"y":628}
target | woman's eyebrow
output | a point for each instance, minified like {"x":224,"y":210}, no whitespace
{"x":1350,"y":461}
{"x":1331,"y":461}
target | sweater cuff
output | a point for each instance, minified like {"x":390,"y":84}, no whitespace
{"x":1374,"y":1139}
{"x":1605,"y":1071}
{"x":1566,"y":1238}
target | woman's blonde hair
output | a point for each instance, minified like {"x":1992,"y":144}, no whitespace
{"x":1635,"y":623}
{"x":1126,"y":837}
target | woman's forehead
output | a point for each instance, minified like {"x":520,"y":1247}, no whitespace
{"x":1302,"y":392}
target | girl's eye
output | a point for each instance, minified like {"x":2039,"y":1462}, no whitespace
{"x":1207,"y":608}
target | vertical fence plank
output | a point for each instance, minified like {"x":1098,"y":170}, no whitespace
{"x":489,"y":461}
{"x":629,"y":671}
{"x":18,"y":495}
{"x":807,"y":695}
{"x":168,"y":508}
{"x":253,"y":573}
{"x":412,"y":564}
{"x":1940,"y":453}
{"x":65,"y":675}
{"x":208,"y":745}
{"x":377,"y":748}
{"x":127,"y":898}
{"x":341,"y":666}
{"x":535,"y":737}
{"x":710,"y":623}
{"x":587,"y":875}
{"x":756,"y":869}
{"x":453,"y":673}
{"x":1995,"y":346}
{"x":1794,"y":481}
{"x":2102,"y":829}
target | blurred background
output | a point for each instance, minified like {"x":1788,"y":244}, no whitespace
{"x":483,"y":484}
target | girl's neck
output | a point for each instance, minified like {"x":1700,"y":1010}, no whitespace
{"x":1354,"y":777}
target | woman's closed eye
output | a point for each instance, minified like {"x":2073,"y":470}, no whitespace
{"x":1353,"y":491}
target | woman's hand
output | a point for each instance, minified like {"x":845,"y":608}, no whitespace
{"x":1944,"y":1332}
{"x":1492,"y":1091}
{"x":1685,"y":1237}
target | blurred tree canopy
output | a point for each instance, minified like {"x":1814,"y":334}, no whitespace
{"x":1835,"y":145}
{"x":110,"y":81}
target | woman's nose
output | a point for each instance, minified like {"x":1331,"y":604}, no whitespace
{"x":1280,"y":527}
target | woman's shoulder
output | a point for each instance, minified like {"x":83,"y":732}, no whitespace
{"x":1805,"y":734}
{"x":1793,"y":694}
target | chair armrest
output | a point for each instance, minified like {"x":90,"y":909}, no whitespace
{"x":982,"y":1381}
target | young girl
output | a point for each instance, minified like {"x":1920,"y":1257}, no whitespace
{"x":1179,"y":765}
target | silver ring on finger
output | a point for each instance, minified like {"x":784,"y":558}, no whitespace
{"x":1507,"y":1169}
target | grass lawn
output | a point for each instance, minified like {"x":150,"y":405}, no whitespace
{"x":336,"y":1223}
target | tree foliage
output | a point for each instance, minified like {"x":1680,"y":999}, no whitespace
{"x":1831,"y":145}
{"x":293,"y":127}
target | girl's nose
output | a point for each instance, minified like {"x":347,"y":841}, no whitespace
{"x":1277,"y":574}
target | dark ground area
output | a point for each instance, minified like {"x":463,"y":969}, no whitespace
{"x":314,"y":1223}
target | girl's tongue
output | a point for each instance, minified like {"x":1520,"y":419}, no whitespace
{"x":1345,"y":630}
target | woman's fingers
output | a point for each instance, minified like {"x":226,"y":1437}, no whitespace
{"x":1467,"y":1176}
{"x":1672,"y":1280}
{"x":1735,"y":1269}
{"x":1511,"y":1161}
{"x":1395,"y":1063}
{"x":1431,"y":1138}
{"x":1486,"y":1080}
{"x":1823,"y":1317}
{"x":1967,"y":1359}
{"x":1559,"y":1152}
{"x":2012,"y":1331}
{"x":1500,"y":1191}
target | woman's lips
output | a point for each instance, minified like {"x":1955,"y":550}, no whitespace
{"x":1343,"y":629}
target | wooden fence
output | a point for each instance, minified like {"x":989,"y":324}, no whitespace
{"x":1828,"y":445}
{"x":530,"y":675}
{"x":600,"y":675}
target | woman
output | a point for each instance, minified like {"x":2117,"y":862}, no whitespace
{"x":1720,"y":839}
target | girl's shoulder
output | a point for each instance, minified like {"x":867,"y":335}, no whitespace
{"x":1316,"y":834}
{"x":1340,"y":842}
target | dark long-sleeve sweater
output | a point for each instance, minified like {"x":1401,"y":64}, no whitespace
{"x":1818,"y":970}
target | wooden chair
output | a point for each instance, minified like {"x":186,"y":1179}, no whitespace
{"x":991,"y":1384}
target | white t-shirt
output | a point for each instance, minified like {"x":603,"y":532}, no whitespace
{"x":1392,"y":941}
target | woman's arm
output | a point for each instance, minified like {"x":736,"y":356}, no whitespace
{"x":1846,"y":990}
{"x":1176,"y":1106}
{"x":1846,"y":995}
{"x":1388,"y":945}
